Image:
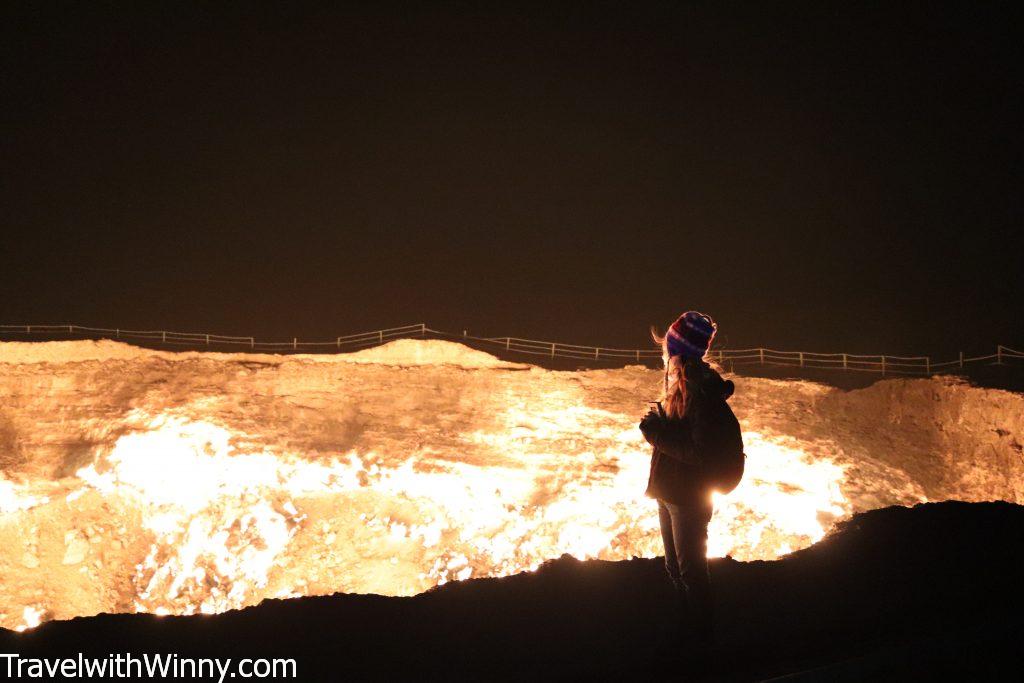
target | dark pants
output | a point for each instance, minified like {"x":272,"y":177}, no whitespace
{"x":684,"y":530}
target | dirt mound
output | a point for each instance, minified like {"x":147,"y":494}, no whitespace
{"x":401,"y":352}
{"x":410,"y":352}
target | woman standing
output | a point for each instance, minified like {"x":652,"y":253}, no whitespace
{"x":697,"y":449}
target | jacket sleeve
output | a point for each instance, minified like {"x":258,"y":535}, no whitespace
{"x":675,"y":441}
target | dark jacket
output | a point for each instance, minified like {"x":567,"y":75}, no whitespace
{"x":683,"y":465}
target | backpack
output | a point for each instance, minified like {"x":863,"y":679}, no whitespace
{"x":715,"y":429}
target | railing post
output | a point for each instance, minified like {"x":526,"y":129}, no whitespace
{"x":70,"y":329}
{"x":163,"y":336}
{"x":999,"y":354}
{"x":380,"y":336}
{"x":252,"y":342}
{"x":596,"y":352}
{"x":28,"y":329}
{"x":338,"y":343}
{"x":961,"y":360}
{"x":638,"y":355}
{"x":207,"y":340}
{"x":883,"y":366}
{"x":423,"y":330}
{"x":844,"y":362}
{"x":508,"y":342}
{"x":552,"y":350}
{"x":761,"y":354}
{"x":801,"y":359}
{"x":117,"y":332}
{"x":295,"y":343}
{"x":928,"y":365}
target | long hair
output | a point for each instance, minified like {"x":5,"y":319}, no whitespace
{"x":673,"y":390}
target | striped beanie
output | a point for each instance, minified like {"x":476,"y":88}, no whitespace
{"x":690,"y":335}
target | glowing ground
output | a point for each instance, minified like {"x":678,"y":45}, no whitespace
{"x":136,"y":480}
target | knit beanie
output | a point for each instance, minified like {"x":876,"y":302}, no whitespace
{"x":690,"y":335}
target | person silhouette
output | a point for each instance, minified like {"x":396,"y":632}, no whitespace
{"x":689,"y":432}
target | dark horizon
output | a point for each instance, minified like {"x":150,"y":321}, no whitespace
{"x":820,"y":178}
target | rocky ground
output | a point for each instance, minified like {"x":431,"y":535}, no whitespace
{"x":892,"y":594}
{"x":468,"y":466}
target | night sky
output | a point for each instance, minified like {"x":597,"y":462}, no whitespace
{"x":816,"y":176}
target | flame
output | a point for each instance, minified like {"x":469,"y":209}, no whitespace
{"x":15,"y":497}
{"x":218,"y":522}
{"x":31,"y":617}
{"x":226,"y":527}
{"x":785,"y":501}
{"x":213,"y":482}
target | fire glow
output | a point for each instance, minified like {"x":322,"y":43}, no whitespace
{"x":188,"y":483}
{"x":219,"y":527}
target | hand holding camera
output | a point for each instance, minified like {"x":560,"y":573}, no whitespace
{"x":652,"y":422}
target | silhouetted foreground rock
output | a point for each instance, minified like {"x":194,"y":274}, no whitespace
{"x":893,"y":593}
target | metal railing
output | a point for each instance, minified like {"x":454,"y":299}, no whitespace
{"x":884,"y":364}
{"x":201,"y":339}
{"x":762,"y":356}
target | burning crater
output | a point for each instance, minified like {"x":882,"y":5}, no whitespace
{"x":136,"y":480}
